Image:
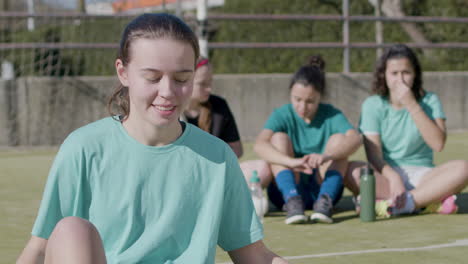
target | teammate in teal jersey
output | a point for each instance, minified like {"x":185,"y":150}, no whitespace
{"x":307,"y":143}
{"x":403,"y":125}
{"x":141,"y":186}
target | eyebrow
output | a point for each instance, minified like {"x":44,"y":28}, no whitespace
{"x":156,"y":70}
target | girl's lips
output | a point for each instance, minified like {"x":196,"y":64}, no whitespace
{"x":165,"y":110}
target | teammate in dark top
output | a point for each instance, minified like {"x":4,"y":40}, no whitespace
{"x":211,"y":112}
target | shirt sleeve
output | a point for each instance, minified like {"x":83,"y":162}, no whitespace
{"x":369,"y":122}
{"x":275,"y":122}
{"x":340,"y":124}
{"x":239,"y":225}
{"x":66,"y":192}
{"x":436,"y":107}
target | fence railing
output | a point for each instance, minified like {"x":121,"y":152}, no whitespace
{"x":345,"y":44}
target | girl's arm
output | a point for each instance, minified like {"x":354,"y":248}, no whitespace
{"x":373,"y":148}
{"x":339,"y":146}
{"x":347,"y":144}
{"x":266,"y":151}
{"x":34,"y":252}
{"x":433,"y":132}
{"x":255,"y":253}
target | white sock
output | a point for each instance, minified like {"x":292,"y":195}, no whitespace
{"x":408,"y":208}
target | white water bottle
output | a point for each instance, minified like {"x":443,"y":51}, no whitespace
{"x":257,"y":195}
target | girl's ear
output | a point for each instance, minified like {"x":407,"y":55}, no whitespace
{"x":121,"y":72}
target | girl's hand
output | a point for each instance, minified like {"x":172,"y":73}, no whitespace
{"x":300,"y":165}
{"x":398,"y":193}
{"x":404,"y":94}
{"x":315,"y":160}
{"x":397,"y":188}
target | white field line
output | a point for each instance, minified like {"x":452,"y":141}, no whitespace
{"x":458,"y":243}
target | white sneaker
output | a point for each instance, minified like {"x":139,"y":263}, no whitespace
{"x":323,"y":210}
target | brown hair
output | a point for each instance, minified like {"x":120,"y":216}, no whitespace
{"x":147,"y":26}
{"x":204,"y":119}
{"x":313,"y":74}
{"x":397,"y":51}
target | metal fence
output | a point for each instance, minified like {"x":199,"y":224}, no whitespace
{"x":66,"y":44}
{"x":346,"y":45}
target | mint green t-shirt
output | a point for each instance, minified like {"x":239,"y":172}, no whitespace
{"x":308,"y":138}
{"x":402,"y":143}
{"x":169,"y":204}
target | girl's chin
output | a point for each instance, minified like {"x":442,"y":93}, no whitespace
{"x":162,"y":122}
{"x":164,"y":117}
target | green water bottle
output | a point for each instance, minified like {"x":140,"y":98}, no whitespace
{"x":367,"y":202}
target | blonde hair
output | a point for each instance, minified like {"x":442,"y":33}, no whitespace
{"x":204,"y":119}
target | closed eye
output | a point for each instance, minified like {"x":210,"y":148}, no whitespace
{"x":154,"y":80}
{"x":183,"y":77}
{"x":181,"y":80}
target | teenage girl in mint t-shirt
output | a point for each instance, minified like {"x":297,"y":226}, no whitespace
{"x":141,"y":186}
{"x":403,"y":125}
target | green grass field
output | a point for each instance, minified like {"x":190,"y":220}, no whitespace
{"x":413,"y":239}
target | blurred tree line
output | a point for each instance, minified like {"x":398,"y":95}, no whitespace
{"x":362,"y":60}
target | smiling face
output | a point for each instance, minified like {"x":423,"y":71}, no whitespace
{"x":159,"y":77}
{"x":305,"y":100}
{"x":399,"y":69}
{"x":202,"y":83}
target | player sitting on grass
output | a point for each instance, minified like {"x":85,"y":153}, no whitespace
{"x":403,"y":125}
{"x":307,"y":144}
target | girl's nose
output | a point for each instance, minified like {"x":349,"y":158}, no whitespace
{"x":166,"y":89}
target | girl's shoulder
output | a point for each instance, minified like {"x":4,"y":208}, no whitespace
{"x":218,"y":104}
{"x":97,"y":131}
{"x":286,"y":111}
{"x":328,"y":107}
{"x":88,"y":138}
{"x":217,"y":101}
{"x":430,"y":96}
{"x":375,"y":101}
{"x":204,"y":143}
{"x":285,"y":108}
